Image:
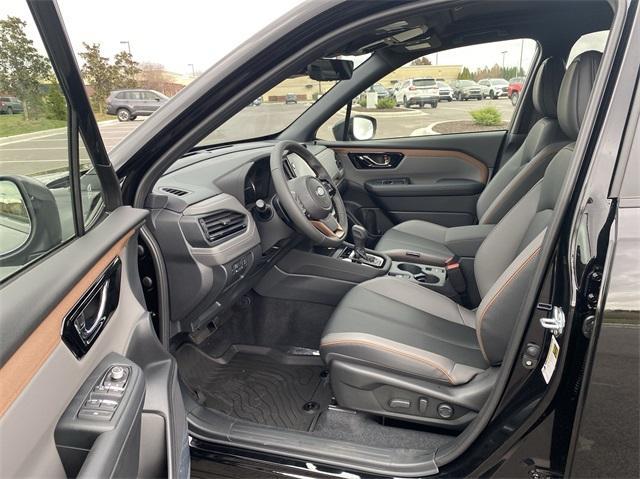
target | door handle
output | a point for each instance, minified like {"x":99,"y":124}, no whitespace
{"x":375,"y":160}
{"x":383,"y":162}
{"x":87,"y":328}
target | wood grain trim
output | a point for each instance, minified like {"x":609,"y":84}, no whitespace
{"x":425,"y":153}
{"x":25,"y":363}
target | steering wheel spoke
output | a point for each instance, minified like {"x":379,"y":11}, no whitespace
{"x":312,"y":202}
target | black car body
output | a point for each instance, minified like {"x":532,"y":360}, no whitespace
{"x":158,"y":338}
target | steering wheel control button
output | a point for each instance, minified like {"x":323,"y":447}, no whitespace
{"x":399,"y":404}
{"x":445,"y":411}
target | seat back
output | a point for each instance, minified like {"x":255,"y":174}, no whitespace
{"x":527,"y":165}
{"x":506,"y":260}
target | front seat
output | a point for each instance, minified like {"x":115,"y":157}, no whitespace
{"x":396,"y":348}
{"x":421,"y":241}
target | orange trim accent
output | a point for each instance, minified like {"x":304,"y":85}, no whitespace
{"x":420,"y":152}
{"x":25,"y":363}
{"x":325,"y":230}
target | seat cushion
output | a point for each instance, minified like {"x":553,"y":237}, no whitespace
{"x":416,"y":236}
{"x":402,"y":327}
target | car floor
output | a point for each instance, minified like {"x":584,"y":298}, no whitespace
{"x":261,"y":366}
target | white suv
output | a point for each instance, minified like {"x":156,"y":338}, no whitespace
{"x":494,"y":87}
{"x":418,"y":91}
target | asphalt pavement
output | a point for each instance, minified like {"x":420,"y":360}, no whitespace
{"x":47,"y":150}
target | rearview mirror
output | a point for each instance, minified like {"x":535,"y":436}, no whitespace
{"x":29,"y":220}
{"x":328,"y":69}
{"x":361,"y":128}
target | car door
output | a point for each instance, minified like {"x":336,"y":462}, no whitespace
{"x":429,"y":165}
{"x":87,"y":388}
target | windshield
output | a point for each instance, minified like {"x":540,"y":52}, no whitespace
{"x":500,"y":81}
{"x":467,"y":83}
{"x":276,"y":108}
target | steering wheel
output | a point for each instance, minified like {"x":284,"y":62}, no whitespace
{"x":313,"y":203}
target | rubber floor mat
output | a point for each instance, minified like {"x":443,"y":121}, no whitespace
{"x":257,"y":388}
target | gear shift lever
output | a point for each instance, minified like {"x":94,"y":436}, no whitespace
{"x":359,"y":234}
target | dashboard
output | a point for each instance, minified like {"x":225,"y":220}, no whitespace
{"x":215,"y":241}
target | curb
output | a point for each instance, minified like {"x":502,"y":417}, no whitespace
{"x":7,"y":140}
{"x":428,"y":130}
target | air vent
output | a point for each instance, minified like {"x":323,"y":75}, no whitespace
{"x":222,"y":224}
{"x":175,"y":191}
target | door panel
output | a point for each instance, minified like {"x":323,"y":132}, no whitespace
{"x":434,"y":178}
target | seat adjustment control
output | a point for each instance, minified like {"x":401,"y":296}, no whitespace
{"x":445,"y":411}
{"x":399,"y":404}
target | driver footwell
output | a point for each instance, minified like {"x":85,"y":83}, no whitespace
{"x":267,"y":389}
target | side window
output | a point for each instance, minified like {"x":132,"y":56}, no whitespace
{"x":37,"y":208}
{"x":475,"y":94}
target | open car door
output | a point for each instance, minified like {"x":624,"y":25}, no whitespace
{"x":87,"y":388}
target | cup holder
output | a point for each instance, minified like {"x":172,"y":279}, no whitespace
{"x":411,"y":268}
{"x":426,"y":278}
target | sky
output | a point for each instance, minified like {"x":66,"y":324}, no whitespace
{"x":201,"y":32}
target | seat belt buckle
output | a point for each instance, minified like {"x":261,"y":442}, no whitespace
{"x":454,"y":274}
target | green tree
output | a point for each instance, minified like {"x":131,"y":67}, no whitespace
{"x":99,"y":73}
{"x":22,"y":68}
{"x":465,"y":74}
{"x":55,"y":104}
{"x":127,"y":70}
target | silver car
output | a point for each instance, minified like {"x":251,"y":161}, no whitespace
{"x":129,"y":104}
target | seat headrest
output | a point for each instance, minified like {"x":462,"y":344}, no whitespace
{"x":575,"y":91}
{"x":546,"y":86}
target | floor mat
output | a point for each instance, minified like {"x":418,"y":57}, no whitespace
{"x":257,"y":388}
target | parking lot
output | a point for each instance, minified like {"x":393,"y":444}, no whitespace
{"x":47,"y":150}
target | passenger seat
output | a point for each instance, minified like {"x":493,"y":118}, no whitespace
{"x":419,"y":241}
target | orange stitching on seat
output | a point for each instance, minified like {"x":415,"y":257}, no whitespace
{"x":389,"y":349}
{"x":495,"y":296}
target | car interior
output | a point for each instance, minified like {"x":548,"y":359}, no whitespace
{"x":357,"y":297}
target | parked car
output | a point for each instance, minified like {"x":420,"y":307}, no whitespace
{"x":320,"y":299}
{"x":445,"y":91}
{"x":418,"y":91}
{"x":515,"y":87}
{"x":256,"y":102}
{"x":290,"y":98}
{"x":10,"y":105}
{"x":466,"y":90}
{"x":494,"y":88}
{"x":127,"y":105}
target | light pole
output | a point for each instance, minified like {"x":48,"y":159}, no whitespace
{"x":128,"y":45}
{"x":504,"y":53}
{"x":193,"y":69}
{"x":521,"y":49}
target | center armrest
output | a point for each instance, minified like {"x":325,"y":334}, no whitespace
{"x":464,"y":241}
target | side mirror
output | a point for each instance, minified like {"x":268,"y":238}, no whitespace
{"x":361,"y":128}
{"x":23,"y":234}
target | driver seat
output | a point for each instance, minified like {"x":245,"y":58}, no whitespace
{"x":398,"y":349}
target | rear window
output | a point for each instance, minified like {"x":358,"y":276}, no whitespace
{"x":425,"y":82}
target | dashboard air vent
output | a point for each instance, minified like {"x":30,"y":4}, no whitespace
{"x":222,"y":224}
{"x":175,"y":191}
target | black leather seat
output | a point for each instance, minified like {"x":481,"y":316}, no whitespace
{"x":396,"y":348}
{"x":421,"y":241}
